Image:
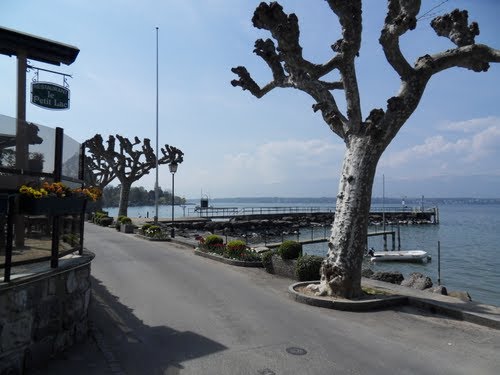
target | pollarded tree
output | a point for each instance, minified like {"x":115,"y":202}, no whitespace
{"x":367,"y":138}
{"x":129,"y":164}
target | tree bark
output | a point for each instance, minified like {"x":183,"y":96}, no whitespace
{"x":124,"y":195}
{"x":341,"y":269}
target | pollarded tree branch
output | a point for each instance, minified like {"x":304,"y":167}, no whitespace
{"x":338,"y":85}
{"x":97,"y":171}
{"x":246,"y":82}
{"x":267,"y":51}
{"x":401,"y":17}
{"x":349,"y":14}
{"x":326,"y":104}
{"x":455,"y":26}
{"x":475,"y":57}
{"x":172,"y":155}
{"x":288,"y":66}
{"x":285,"y":30}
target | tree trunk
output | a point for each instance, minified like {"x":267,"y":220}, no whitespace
{"x":341,"y":270}
{"x":124,"y":194}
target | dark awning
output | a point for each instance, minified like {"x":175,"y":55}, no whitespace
{"x":13,"y":42}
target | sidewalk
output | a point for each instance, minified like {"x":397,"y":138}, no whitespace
{"x":472,"y":312}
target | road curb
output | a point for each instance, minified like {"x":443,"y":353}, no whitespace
{"x":437,"y":307}
{"x":343,"y":304}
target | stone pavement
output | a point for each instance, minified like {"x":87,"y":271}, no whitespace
{"x":93,"y":356}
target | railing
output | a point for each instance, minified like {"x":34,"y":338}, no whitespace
{"x":27,"y":238}
{"x":228,"y":212}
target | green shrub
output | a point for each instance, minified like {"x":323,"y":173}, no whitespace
{"x":98,"y":216}
{"x":106,"y":221}
{"x":214,"y":243}
{"x":267,"y":260}
{"x":145,"y":227}
{"x":290,"y":250}
{"x":213,"y":239}
{"x":308,"y":267}
{"x":125,"y":220}
{"x":153,"y":231}
{"x":235,"y":249}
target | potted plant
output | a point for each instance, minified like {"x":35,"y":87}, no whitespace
{"x":126,"y":225}
{"x":35,"y":161}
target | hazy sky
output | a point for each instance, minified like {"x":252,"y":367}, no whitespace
{"x":237,"y":145}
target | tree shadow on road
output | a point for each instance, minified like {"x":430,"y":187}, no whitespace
{"x":136,"y":348}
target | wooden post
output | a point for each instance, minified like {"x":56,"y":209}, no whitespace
{"x":439,"y":262}
{"x":58,"y":151}
{"x":399,"y":238}
{"x":21,"y":138}
{"x":8,"y":244}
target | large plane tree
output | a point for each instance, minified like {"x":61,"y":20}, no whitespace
{"x":365,"y":138}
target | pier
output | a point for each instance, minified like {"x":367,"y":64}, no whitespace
{"x":391,"y":214}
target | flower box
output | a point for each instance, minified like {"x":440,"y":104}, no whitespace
{"x":127,"y":228}
{"x":51,"y":205}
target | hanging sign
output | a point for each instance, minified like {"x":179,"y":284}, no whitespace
{"x":49,"y":95}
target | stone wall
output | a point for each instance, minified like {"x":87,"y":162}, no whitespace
{"x":285,"y":267}
{"x":43,"y":315}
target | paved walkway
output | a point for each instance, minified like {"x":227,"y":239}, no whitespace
{"x":158,"y":309}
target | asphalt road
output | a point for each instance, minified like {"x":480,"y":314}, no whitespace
{"x":163,"y":310}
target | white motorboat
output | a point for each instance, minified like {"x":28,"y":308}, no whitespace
{"x":399,"y":256}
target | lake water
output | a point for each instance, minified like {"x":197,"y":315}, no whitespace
{"x":469,"y":235}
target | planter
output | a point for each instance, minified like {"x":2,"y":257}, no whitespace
{"x":51,"y":205}
{"x":127,"y":228}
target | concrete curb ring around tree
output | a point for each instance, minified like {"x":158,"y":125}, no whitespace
{"x":344,"y":304}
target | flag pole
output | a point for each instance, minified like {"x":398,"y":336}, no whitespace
{"x":157,"y":155}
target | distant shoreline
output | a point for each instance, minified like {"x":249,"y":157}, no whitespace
{"x":411,"y":202}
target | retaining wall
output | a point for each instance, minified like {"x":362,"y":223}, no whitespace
{"x":43,"y":314}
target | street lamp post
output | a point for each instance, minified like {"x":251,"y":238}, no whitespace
{"x":173,"y":168}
